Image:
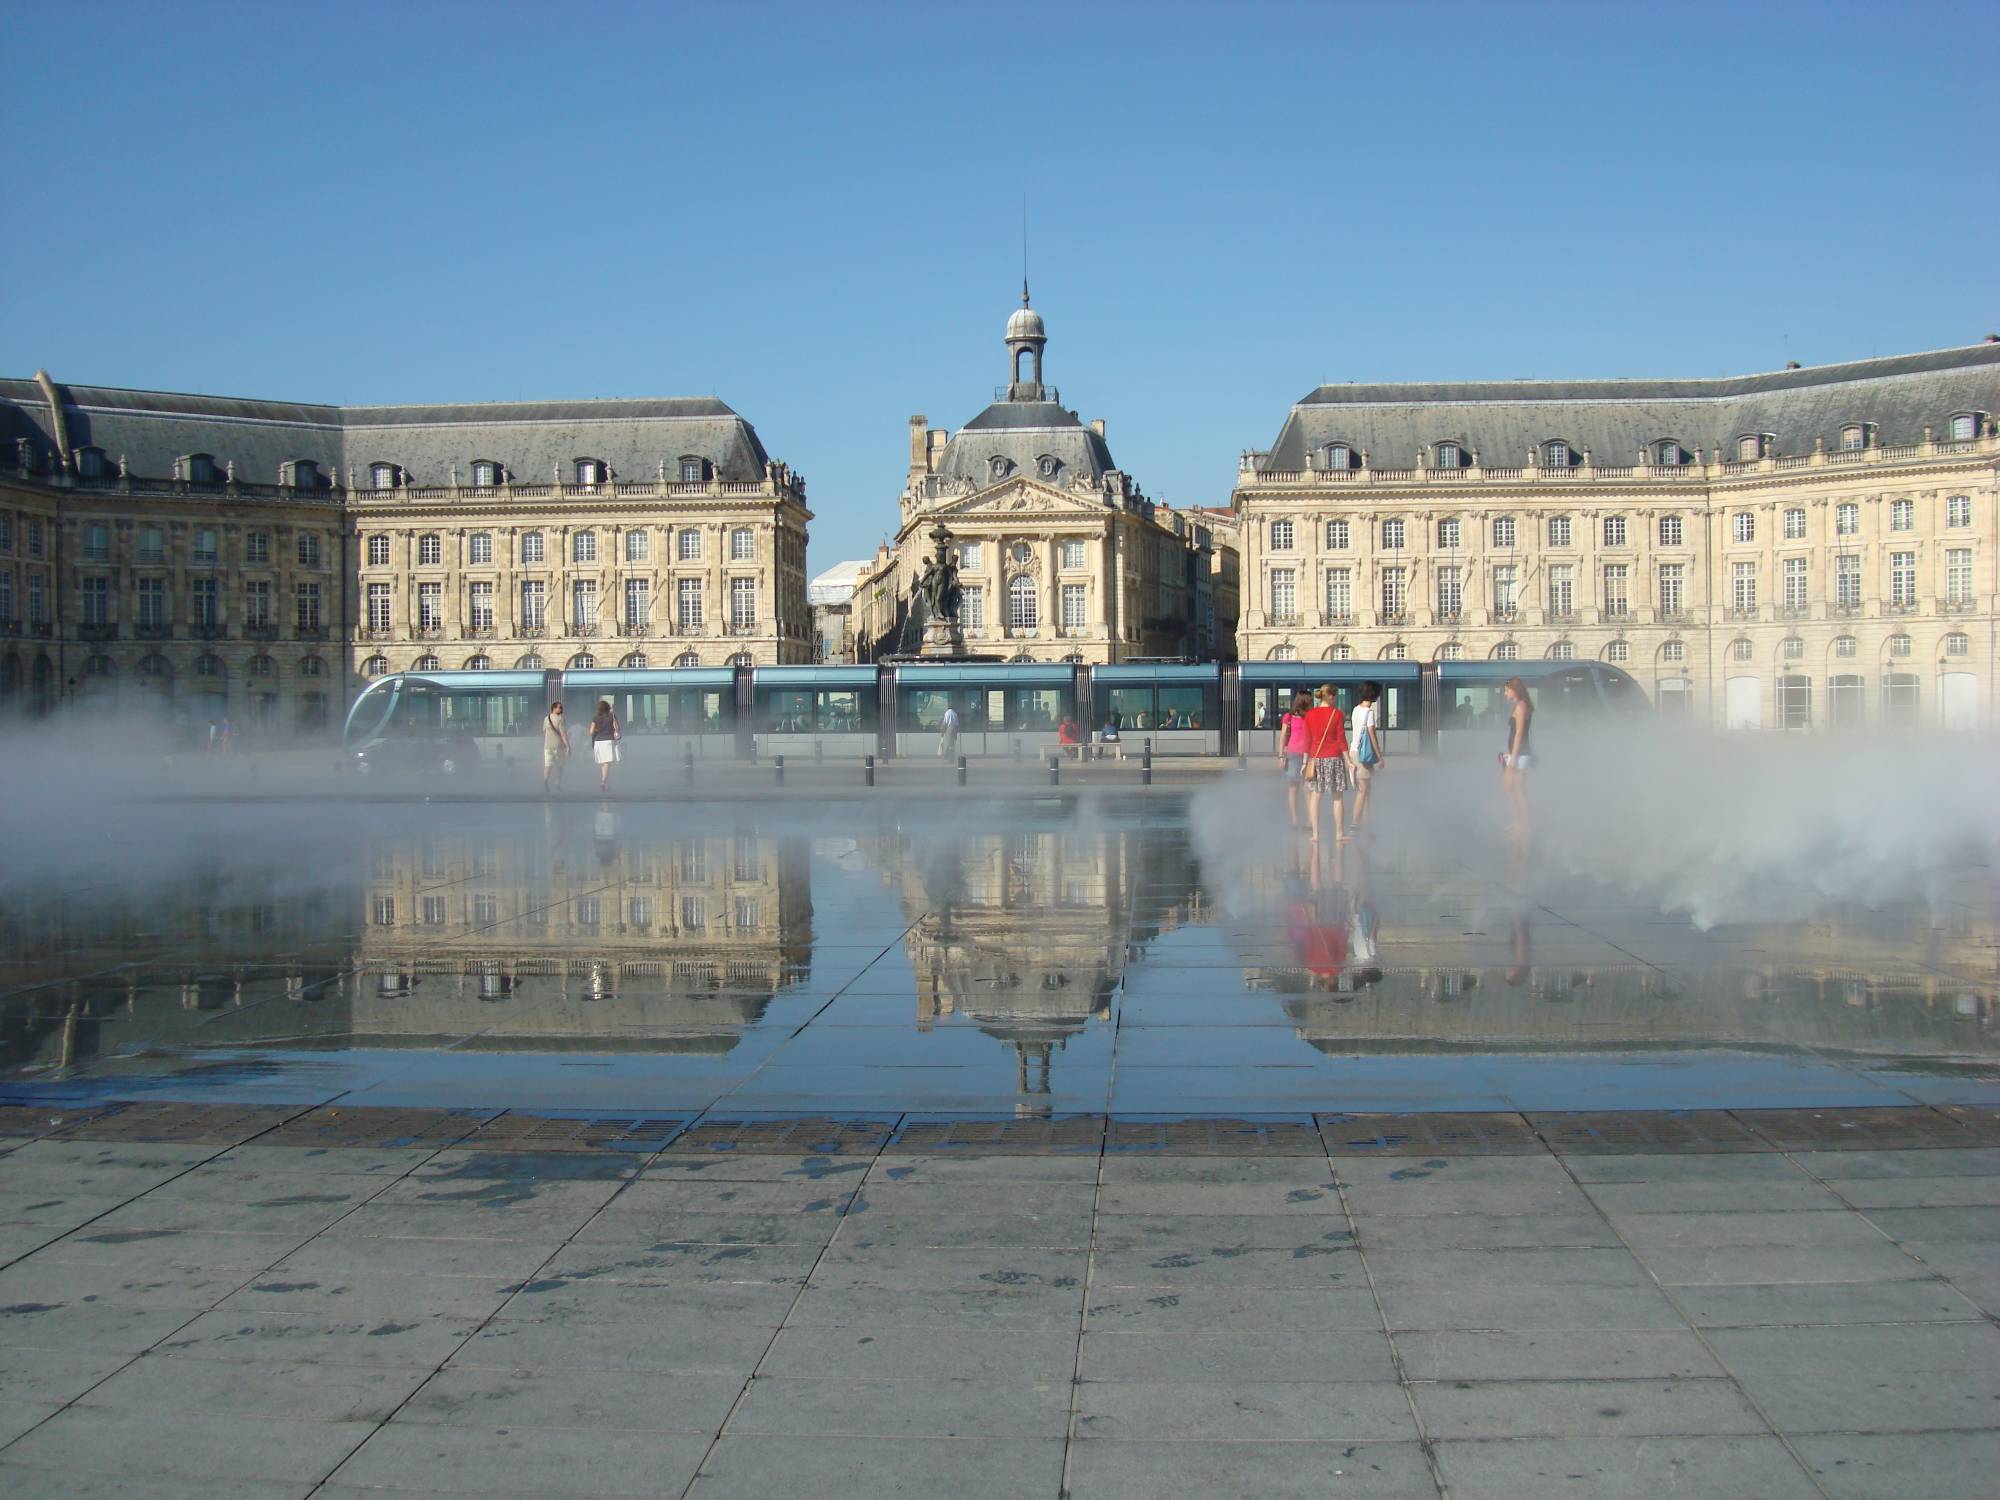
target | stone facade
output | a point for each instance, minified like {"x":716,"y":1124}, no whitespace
{"x":1061,"y":555}
{"x":1813,"y":549}
{"x":211,"y":557}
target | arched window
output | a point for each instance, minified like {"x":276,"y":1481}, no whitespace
{"x":100,"y":667}
{"x":1075,"y":657}
{"x":383,"y":476}
{"x":1669,"y":454}
{"x":688,"y":659}
{"x":1792,"y":648}
{"x":1750,"y":446}
{"x":634,"y":659}
{"x":583,"y":661}
{"x":1618,"y":653}
{"x":532,"y":662}
{"x":90,"y":463}
{"x":301,"y":474}
{"x":485,"y":473}
{"x":262,"y":666}
{"x":1854,"y":435}
{"x":1562,"y":651}
{"x":426,"y":663}
{"x":1284,"y":653}
{"x":210,"y":665}
{"x":1339,"y":456}
{"x":1450,"y":651}
{"x":311,"y":666}
{"x":1023,"y":603}
{"x":1339,"y":651}
{"x":197,"y":468}
{"x":1846,"y":645}
{"x":1964,"y":427}
{"x":1958,"y":643}
{"x":694,"y":470}
{"x":1557,"y":454}
{"x":375,"y":666}
{"x":156,"y":667}
{"x":1506,"y":651}
{"x":590,"y":471}
{"x":1450,"y":456}
{"x":740,"y":659}
{"x":1020,"y":656}
{"x":1395,"y":651}
{"x":1899,"y":645}
{"x":478,"y":663}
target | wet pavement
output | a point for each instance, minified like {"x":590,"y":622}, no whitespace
{"x":1086,"y":1146}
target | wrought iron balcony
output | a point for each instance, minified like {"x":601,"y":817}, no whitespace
{"x":97,"y":631}
{"x":260,"y":630}
{"x":152,"y":630}
{"x":213,"y":630}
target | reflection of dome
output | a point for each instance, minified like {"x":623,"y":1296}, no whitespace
{"x":1026,"y":324}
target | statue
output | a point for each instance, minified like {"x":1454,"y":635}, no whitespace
{"x":938,"y":586}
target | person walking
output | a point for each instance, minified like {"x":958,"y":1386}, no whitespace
{"x":1369,"y":754}
{"x":948,"y":733}
{"x":1325,"y":770}
{"x":604,"y":739}
{"x":555,"y":748}
{"x":1292,"y":750}
{"x":1519,"y":756}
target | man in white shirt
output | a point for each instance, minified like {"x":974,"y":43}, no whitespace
{"x":948,"y":732}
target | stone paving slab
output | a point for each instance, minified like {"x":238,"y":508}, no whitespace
{"x":842,"y":1307}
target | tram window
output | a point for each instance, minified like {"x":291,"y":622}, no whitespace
{"x":1133,"y":705}
{"x":1180,"y":708}
{"x":841,"y":711}
{"x":1034,"y":708}
{"x":791,"y":711}
{"x":489,"y":714}
{"x":417,"y":710}
{"x":1264,"y":708}
{"x":1392,"y":707}
{"x":923,"y":708}
{"x":821,"y":710}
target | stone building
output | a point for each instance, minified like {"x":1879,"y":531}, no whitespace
{"x":1061,"y":555}
{"x":210,"y":555}
{"x":831,"y":596}
{"x":1808,"y":549}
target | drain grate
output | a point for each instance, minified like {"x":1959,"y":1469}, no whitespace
{"x":1030,"y":1137}
{"x":347,"y":1125}
{"x":1219,"y":1137}
{"x":533,"y":1133}
{"x":1662,"y":1131}
{"x":811,"y":1137}
{"x":1874,"y":1129}
{"x":1429,"y":1134}
{"x":180,"y":1124}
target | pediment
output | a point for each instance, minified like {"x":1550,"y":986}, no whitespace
{"x":1022,"y":496}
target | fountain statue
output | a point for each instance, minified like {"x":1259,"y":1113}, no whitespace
{"x":938,"y":587}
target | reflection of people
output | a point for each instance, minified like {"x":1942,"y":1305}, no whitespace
{"x":1518,"y":757}
{"x":1326,"y":754}
{"x":1318,"y":928}
{"x":1522,"y":939}
{"x":948,"y":732}
{"x":604,"y":739}
{"x":555,"y":748}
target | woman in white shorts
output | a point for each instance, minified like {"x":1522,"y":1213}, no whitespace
{"x":604,"y":742}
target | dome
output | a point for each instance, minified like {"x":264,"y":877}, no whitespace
{"x":1026,"y":324}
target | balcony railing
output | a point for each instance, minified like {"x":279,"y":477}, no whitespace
{"x":1284,"y":622}
{"x":637,"y":628}
{"x":1503,"y":616}
{"x":1561,"y":617}
{"x":532,"y":632}
{"x":313,"y":631}
{"x":42,"y":630}
{"x":101,"y":630}
{"x":480,"y":632}
{"x":1341,"y":617}
{"x":10,"y":627}
{"x":1615,"y":613}
{"x":1900,"y":607}
{"x":1957,"y":606}
{"x":260,"y":630}
{"x":213,"y":630}
{"x":1449,"y":616}
{"x":152,"y":630}
{"x":1740,"y":612}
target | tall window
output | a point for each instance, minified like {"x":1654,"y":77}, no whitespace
{"x":1846,"y":518}
{"x":969,"y":555}
{"x":687,"y":545}
{"x":742,"y":603}
{"x":972,"y":608}
{"x":531,"y":547}
{"x":383,"y":476}
{"x":583,"y":604}
{"x":1846,"y":645}
{"x":1340,"y":593}
{"x":1674,"y":651}
{"x":693,"y":471}
{"x":1450,"y":592}
{"x":152,"y":544}
{"x":1023,"y":606}
{"x":204,"y":543}
{"x":1075,"y":614}
{"x":638,"y":603}
{"x":378,"y":607}
{"x":152,"y":601}
{"x":485,"y":473}
{"x":1507,"y":651}
{"x":1744,"y":526}
{"x":1503,"y":531}
{"x":1449,"y":456}
{"x":1339,"y":456}
{"x":583,"y":547}
{"x":1672,"y":599}
{"x":1562,"y":591}
{"x":1743,"y":585}
{"x":1614,"y":531}
{"x":308,"y":549}
{"x":1281,"y":540}
{"x":479,"y":605}
{"x":1963,"y":428}
{"x":1616,"y":599}
{"x":1748,"y":448}
{"x":1958,"y":511}
{"x":1448,"y":534}
{"x":308,"y":608}
{"x":1284,"y":600}
{"x":1795,"y":583}
{"x":1958,"y":575}
{"x":1795,"y":524}
{"x":479,"y":549}
{"x":1072,"y":550}
{"x":636,"y":546}
{"x":1558,"y":531}
{"x":1670,"y":531}
{"x":257,"y":602}
{"x":1958,"y":643}
{"x":588,"y":471}
{"x":1504,"y":599}
{"x":743,"y":545}
{"x":1336,"y":536}
{"x":1392,"y":533}
{"x":1849,"y":581}
{"x":430,"y":606}
{"x":1556,"y":455}
{"x":1393,"y":595}
{"x":534,"y":603}
{"x":97,"y":601}
{"x":206,"y":603}
{"x":1903,"y":579}
{"x":687,"y":603}
{"x":1899,"y":645}
{"x":430,"y":550}
{"x":1852,"y":436}
{"x":1902,"y":515}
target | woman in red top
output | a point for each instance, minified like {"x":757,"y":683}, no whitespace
{"x":1326,"y":753}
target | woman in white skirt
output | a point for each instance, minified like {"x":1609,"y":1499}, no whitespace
{"x":604,"y":742}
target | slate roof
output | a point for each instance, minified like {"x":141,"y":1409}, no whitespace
{"x":1022,"y":432}
{"x":150,"y":429}
{"x":1901,"y":394}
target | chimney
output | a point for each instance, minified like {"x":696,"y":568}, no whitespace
{"x":937,"y":437}
{"x":918,"y":446}
{"x":1097,"y":425}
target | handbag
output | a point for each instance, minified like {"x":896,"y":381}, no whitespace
{"x":1365,"y":752}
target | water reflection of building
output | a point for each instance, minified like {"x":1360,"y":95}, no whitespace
{"x":1024,"y":935}
{"x":584,"y":938}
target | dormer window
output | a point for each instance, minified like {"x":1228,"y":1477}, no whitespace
{"x":589,"y":471}
{"x":693,"y":470}
{"x":1855,"y":435}
{"x":1753,"y":446}
{"x":485,"y":473}
{"x":1669,"y":454}
{"x":1450,"y":456}
{"x":1964,"y":427}
{"x":198,"y":468}
{"x":1048,"y":466}
{"x":383,"y":476}
{"x":90,"y":463}
{"x":1557,"y":455}
{"x":300,"y":474}
{"x":998,"y":466}
{"x":1339,"y":456}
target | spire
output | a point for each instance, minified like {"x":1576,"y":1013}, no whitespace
{"x":1024,"y":289}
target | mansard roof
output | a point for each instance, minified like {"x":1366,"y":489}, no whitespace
{"x":150,"y":429}
{"x":1023,"y":432}
{"x":1901,"y":395}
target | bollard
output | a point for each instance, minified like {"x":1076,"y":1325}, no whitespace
{"x":961,"y":770}
{"x":687,"y":767}
{"x":778,"y":765}
{"x":868,"y":770}
{"x":1146,"y":765}
{"x":1055,"y":769}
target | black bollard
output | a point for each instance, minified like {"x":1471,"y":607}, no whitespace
{"x":1055,"y":769}
{"x":868,"y":770}
{"x":778,"y":765}
{"x":1146,"y":765}
{"x":961,"y":770}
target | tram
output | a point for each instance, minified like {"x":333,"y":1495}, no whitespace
{"x":892,"y":709}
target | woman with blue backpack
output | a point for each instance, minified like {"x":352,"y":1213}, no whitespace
{"x":1364,"y":736}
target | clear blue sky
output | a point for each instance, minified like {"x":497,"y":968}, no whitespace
{"x":814,"y":211}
